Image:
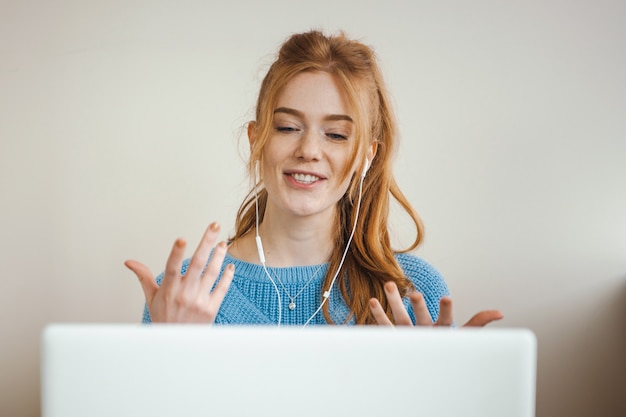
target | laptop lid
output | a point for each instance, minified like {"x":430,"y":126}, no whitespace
{"x":194,"y":370}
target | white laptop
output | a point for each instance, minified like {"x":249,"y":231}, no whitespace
{"x":94,"y":370}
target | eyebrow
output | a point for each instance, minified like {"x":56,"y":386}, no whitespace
{"x":298,"y":113}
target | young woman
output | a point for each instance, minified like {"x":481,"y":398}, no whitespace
{"x":311,"y":244}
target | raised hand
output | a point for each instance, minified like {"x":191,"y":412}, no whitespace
{"x":187,"y":298}
{"x":422,"y":316}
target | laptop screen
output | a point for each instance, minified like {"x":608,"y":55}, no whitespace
{"x":194,"y":370}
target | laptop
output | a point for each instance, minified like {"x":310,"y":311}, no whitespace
{"x":194,"y":370}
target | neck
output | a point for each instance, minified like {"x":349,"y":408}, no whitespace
{"x":297,"y":241}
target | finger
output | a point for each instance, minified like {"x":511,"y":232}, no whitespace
{"x":379,"y":313}
{"x":400,"y":315}
{"x":146,"y":279}
{"x":483,"y":318}
{"x":218,"y":294}
{"x":213,"y":269}
{"x":445,"y":312}
{"x":201,"y":256}
{"x":422,"y":315}
{"x":171,"y":277}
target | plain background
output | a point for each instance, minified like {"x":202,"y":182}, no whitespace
{"x":121,"y":129}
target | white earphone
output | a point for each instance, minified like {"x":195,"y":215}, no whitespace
{"x":366,"y":166}
{"x":259,"y":245}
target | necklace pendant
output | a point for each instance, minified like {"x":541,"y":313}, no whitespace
{"x":292,"y":306}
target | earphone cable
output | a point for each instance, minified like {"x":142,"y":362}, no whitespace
{"x":326,"y":293}
{"x":259,"y":246}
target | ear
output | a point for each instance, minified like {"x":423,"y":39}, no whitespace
{"x":371,"y":152}
{"x":251,"y":133}
{"x":369,"y":156}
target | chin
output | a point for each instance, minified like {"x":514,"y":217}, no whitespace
{"x":306,"y":210}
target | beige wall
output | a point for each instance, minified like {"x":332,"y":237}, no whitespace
{"x":119,"y":126}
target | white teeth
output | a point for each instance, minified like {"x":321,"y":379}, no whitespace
{"x":305,"y":178}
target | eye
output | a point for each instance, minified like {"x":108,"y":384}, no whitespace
{"x":286,"y":129}
{"x":337,"y":136}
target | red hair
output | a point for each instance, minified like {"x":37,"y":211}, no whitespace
{"x":370,"y":261}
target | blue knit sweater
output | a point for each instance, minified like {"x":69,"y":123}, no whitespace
{"x":252,"y":299}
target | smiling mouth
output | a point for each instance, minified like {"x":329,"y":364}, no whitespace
{"x":305,"y":178}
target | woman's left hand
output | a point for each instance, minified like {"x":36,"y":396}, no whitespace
{"x":422,"y":316}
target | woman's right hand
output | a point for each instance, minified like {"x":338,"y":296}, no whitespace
{"x":187,"y":298}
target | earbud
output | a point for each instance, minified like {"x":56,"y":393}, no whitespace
{"x":366,"y":166}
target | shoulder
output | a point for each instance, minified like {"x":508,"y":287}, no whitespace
{"x":425,"y":277}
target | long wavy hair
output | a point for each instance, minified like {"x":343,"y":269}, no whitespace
{"x":370,"y":261}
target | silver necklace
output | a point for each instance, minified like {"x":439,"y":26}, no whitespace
{"x":292,"y":300}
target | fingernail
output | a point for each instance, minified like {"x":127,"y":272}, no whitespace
{"x":214,"y":227}
{"x":222,"y":245}
{"x":417,"y":294}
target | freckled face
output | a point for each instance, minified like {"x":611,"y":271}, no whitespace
{"x":309,"y":148}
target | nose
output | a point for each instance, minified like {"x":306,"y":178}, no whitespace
{"x":309,"y":146}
